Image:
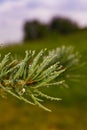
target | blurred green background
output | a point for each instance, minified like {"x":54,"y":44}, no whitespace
{"x":70,"y":113}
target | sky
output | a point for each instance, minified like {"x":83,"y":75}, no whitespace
{"x":13,"y":14}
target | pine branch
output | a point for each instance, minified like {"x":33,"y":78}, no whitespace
{"x":67,"y":56}
{"x":69,"y":59}
{"x":22,"y":79}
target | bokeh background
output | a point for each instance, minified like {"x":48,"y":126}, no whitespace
{"x":37,"y":24}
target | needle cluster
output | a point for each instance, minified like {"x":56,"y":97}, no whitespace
{"x":25,"y":78}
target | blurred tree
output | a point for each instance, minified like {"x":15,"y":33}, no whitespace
{"x":34,"y":30}
{"x":63,"y":25}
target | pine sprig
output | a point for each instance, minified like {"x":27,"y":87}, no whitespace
{"x":23,"y":78}
{"x":67,"y":56}
{"x":69,"y":59}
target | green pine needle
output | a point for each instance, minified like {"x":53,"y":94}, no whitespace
{"x":22,"y":79}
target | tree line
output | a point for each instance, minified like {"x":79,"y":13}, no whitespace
{"x":35,"y":30}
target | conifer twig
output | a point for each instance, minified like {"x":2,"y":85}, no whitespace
{"x":22,"y":79}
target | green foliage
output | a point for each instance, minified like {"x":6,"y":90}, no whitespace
{"x":25,"y":78}
{"x":34,"y":30}
{"x":63,"y":25}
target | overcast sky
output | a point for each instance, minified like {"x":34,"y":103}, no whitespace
{"x":13,"y":13}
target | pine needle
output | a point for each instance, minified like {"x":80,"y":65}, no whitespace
{"x":24,"y":77}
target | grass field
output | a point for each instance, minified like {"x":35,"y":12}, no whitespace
{"x":68,"y":114}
